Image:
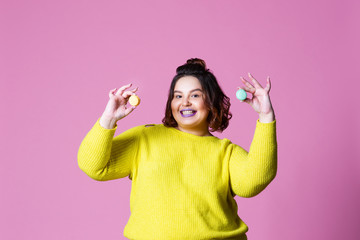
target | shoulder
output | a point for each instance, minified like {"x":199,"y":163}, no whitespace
{"x":230,"y":146}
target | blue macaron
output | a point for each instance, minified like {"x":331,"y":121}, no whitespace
{"x":241,"y":94}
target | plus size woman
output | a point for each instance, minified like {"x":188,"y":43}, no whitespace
{"x":184,"y":179}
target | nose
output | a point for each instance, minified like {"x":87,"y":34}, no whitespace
{"x":185,"y":102}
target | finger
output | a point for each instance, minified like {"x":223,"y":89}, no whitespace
{"x":256,"y":83}
{"x":246,"y":83}
{"x":112,"y":92}
{"x":122,"y":89}
{"x":135,"y":89}
{"x":127,"y":94}
{"x":268,"y":84}
{"x":247,"y":89}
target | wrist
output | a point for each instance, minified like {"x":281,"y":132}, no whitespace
{"x":267,"y":117}
{"x":108,"y":123}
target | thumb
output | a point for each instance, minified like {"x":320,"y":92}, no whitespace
{"x":248,"y":101}
{"x":129,"y":110}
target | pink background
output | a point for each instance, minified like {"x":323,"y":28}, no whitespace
{"x":59,"y":59}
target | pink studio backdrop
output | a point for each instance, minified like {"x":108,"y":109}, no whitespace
{"x":59,"y":59}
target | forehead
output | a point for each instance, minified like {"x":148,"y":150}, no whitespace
{"x":187,"y":83}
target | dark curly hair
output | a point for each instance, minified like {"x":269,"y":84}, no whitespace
{"x":215,"y":99}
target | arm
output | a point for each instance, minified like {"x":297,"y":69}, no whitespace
{"x":251,"y":172}
{"x":101,"y":156}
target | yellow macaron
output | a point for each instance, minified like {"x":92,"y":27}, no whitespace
{"x":134,"y":100}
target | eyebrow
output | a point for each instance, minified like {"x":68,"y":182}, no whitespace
{"x":197,"y":89}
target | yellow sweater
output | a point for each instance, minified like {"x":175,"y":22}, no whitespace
{"x":183,"y":185}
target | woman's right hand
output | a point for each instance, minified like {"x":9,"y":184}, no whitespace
{"x":116,"y":108}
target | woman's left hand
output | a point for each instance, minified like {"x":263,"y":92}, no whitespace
{"x":260,"y":100}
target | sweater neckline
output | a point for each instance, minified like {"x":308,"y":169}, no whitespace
{"x":179,"y":132}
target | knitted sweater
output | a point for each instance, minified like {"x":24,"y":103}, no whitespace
{"x":183,"y":185}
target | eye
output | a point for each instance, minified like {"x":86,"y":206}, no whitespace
{"x":195,"y":95}
{"x":177,"y":96}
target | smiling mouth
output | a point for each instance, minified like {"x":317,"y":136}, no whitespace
{"x":187,"y":113}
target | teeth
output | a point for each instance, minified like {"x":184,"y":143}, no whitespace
{"x":187,"y":112}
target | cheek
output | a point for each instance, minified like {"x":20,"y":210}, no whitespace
{"x":202,"y":105}
{"x":173,"y":105}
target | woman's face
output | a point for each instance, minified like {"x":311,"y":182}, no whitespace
{"x":188,"y":105}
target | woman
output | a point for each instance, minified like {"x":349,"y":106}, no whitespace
{"x":184,"y":179}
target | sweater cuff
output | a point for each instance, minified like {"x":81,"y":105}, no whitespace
{"x":270,"y":123}
{"x":266,"y":129}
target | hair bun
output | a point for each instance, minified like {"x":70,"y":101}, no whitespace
{"x":197,"y":61}
{"x":192,"y":66}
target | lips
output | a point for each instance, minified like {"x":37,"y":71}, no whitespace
{"x":187,"y":112}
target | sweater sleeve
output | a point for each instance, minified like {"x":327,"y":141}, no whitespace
{"x":251,"y":172}
{"x":105,"y":157}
